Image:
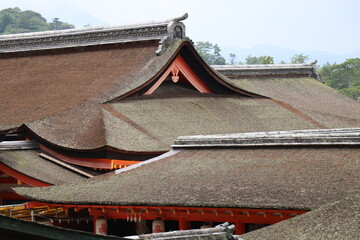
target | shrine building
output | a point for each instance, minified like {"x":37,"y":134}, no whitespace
{"x":96,"y":111}
{"x":249,"y":179}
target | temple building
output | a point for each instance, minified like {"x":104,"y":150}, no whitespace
{"x":111,"y":101}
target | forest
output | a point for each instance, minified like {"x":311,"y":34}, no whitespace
{"x":344,"y":77}
{"x":13,"y":20}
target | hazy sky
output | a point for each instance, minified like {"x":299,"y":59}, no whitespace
{"x":303,"y":25}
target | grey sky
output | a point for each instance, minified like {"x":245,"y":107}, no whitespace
{"x":303,"y":25}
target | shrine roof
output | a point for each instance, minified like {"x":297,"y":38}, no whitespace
{"x":338,"y":220}
{"x":29,"y":163}
{"x":55,"y":82}
{"x":87,"y":97}
{"x":263,"y":177}
{"x":301,"y":90}
{"x":151,"y":124}
{"x":163,"y":32}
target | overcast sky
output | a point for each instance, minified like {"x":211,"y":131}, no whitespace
{"x":303,"y":25}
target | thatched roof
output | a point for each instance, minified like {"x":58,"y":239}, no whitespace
{"x":338,"y":220}
{"x":83,"y":90}
{"x":28,"y":162}
{"x":298,"y":86}
{"x":278,"y":177}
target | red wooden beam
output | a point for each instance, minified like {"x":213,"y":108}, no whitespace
{"x":22,"y":177}
{"x":180,"y":66}
{"x":184,"y":214}
{"x":102,"y":163}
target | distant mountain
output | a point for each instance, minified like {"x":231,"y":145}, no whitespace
{"x":283,"y":54}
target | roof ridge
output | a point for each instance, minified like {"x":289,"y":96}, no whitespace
{"x":345,"y":136}
{"x":269,"y":70}
{"x":163,"y":31}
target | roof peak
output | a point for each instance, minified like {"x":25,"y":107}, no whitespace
{"x":166,"y":30}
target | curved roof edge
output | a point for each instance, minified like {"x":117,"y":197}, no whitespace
{"x":163,"y":31}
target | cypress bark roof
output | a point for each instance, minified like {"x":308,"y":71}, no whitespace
{"x":277,"y":177}
{"x":86,"y":97}
{"x":295,"y":85}
{"x":338,"y":220}
{"x":29,"y":163}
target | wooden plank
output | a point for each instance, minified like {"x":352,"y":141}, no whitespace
{"x":65,"y":165}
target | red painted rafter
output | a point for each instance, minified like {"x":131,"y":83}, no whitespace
{"x":180,"y":66}
{"x":101,"y":163}
{"x":260,"y":216}
{"x":22,"y":177}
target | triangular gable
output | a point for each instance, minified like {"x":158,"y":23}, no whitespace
{"x":179,"y":70}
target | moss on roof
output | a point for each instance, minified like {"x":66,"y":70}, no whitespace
{"x":338,"y":220}
{"x":302,"y":178}
{"x":29,"y":163}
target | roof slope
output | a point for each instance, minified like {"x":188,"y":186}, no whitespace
{"x":338,"y":220}
{"x":310,"y":96}
{"x":45,"y":73}
{"x":153,"y":124}
{"x":279,"y":177}
{"x":29,"y":163}
{"x":36,"y":87}
{"x":82,"y":92}
{"x":297,"y":85}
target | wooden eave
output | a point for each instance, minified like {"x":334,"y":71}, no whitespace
{"x":92,"y":151}
{"x":238,"y":216}
{"x":97,"y":163}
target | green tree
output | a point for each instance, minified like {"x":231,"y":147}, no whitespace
{"x":299,"y":58}
{"x":210,"y":53}
{"x":259,"y":60}
{"x":353,"y":92}
{"x":56,"y":24}
{"x":13,"y":20}
{"x":232,"y":57}
{"x":344,"y":77}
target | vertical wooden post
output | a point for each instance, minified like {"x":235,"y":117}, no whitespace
{"x":183,"y":224}
{"x":94,"y":223}
{"x":239,"y":227}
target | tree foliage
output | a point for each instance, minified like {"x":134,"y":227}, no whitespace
{"x":299,"y":58}
{"x":232,"y":57}
{"x":259,"y":60}
{"x":344,"y":77}
{"x":13,"y":20}
{"x":210,"y":53}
